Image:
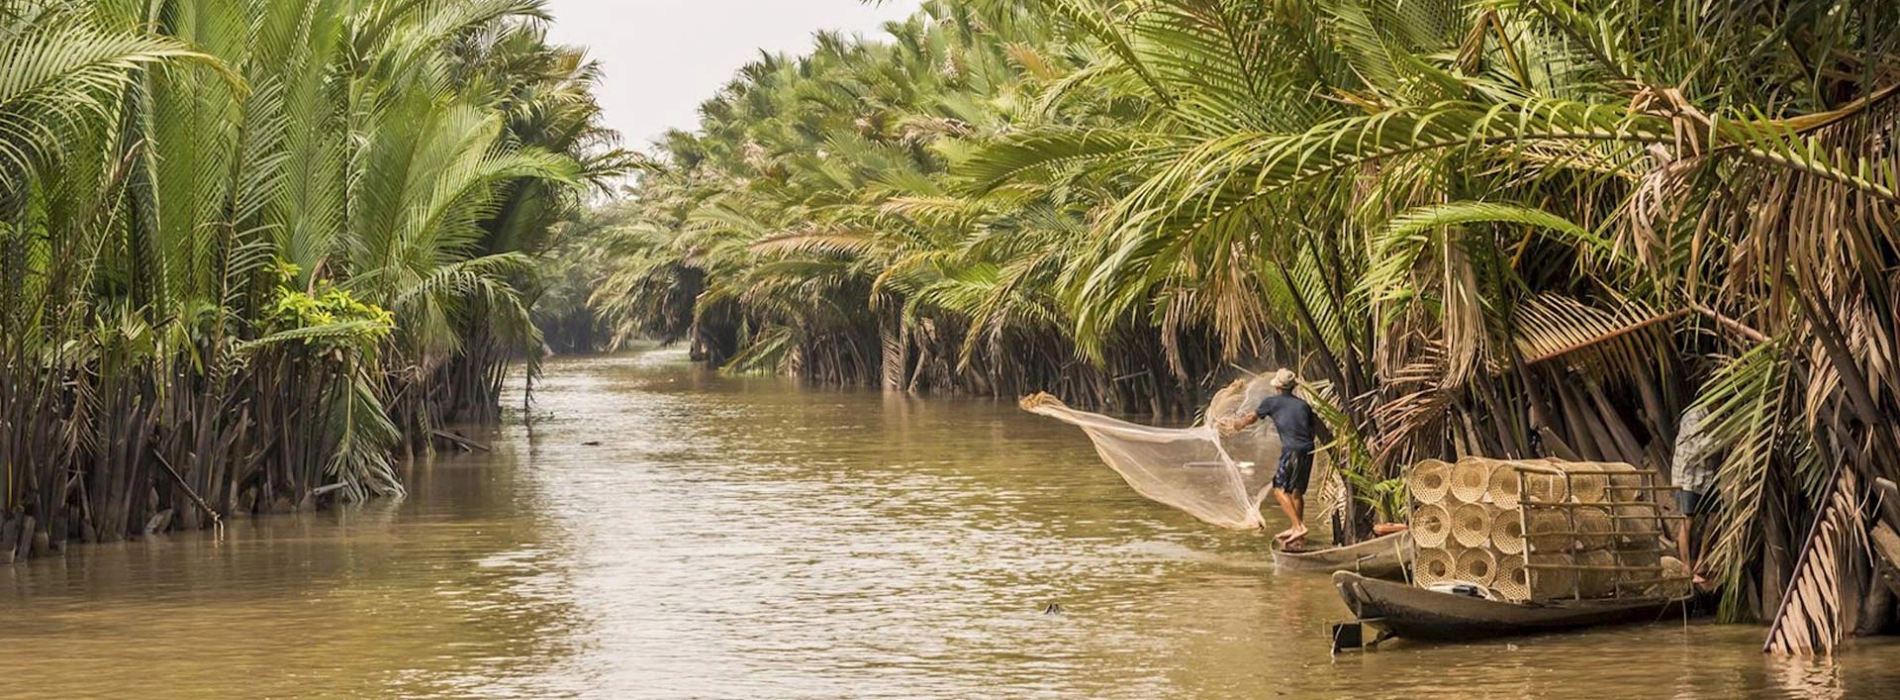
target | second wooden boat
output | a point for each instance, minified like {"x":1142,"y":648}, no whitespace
{"x":1410,"y":612}
{"x":1380,"y":557}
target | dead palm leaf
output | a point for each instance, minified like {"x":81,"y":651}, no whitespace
{"x":1815,"y":613}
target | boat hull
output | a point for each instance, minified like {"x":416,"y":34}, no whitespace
{"x":1410,"y":612}
{"x":1381,"y":557}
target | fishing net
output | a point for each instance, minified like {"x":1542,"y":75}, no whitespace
{"x":1220,"y":480}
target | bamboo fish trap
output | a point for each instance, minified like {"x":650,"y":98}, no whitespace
{"x":1512,"y":581}
{"x":1502,"y":489}
{"x":1471,"y":524}
{"x":1430,"y":482}
{"x":1507,"y":533}
{"x":1476,"y":565}
{"x":1433,"y":566}
{"x":1471,"y":480}
{"x":1431,"y":526}
{"x":1531,"y":530}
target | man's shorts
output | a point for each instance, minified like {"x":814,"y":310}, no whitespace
{"x":1690,"y":502}
{"x":1296,"y":467}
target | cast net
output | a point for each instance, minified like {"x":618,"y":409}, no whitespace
{"x":1220,"y":480}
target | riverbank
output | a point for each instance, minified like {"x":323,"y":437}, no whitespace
{"x":742,"y":537}
{"x":254,"y":254}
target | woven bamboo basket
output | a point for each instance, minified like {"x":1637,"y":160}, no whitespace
{"x":1547,"y":584}
{"x":1545,"y":488}
{"x":1639,"y":557}
{"x":1638,"y":582}
{"x":1677,"y":582}
{"x":1548,"y":531}
{"x":1507,"y":532}
{"x":1471,"y":524}
{"x":1595,"y":584}
{"x":1589,"y":488}
{"x":1502,"y":489}
{"x":1626,"y":485}
{"x":1477,"y":566}
{"x":1433,"y":566}
{"x":1596,"y":529}
{"x":1431,"y":526}
{"x":1431,"y":480}
{"x":1512,"y":581}
{"x":1471,"y":479}
{"x":1640,"y":521}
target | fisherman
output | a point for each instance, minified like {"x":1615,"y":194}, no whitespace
{"x":1693,"y":472}
{"x":1293,"y":419}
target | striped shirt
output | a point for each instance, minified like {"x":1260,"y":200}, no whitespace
{"x":1694,"y":470}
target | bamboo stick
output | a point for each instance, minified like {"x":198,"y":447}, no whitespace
{"x":189,"y":492}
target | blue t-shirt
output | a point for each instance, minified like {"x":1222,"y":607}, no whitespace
{"x":1292,"y":417}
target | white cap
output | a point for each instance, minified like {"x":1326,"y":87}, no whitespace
{"x":1285,"y":378}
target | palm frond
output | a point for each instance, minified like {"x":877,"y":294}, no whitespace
{"x":1815,"y":616}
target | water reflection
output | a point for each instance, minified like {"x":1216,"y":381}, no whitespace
{"x":746,"y":538}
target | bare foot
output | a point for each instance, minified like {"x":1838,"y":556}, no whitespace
{"x":1284,"y":536}
{"x":1295,"y":539}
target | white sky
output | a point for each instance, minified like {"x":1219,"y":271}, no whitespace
{"x":664,"y":57}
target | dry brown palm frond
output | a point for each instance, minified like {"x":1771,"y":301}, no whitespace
{"x":1405,"y":338}
{"x":1418,"y":405}
{"x":1462,"y":319}
{"x":1819,"y":608}
{"x":1660,"y":196}
{"x":1552,"y":326}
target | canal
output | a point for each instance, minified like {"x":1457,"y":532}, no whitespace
{"x":661,"y":532}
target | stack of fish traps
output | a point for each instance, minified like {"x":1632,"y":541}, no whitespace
{"x":1533,"y":530}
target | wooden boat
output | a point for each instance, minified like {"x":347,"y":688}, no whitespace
{"x":1379,"y":557}
{"x":1406,"y":611}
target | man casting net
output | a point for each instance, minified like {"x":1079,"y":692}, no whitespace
{"x":1221,"y":480}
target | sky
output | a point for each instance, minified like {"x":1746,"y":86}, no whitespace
{"x":662,"y":58}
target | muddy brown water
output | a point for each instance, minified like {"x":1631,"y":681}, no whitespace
{"x":750,"y":538}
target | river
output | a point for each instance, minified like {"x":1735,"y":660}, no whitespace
{"x":662,"y":532}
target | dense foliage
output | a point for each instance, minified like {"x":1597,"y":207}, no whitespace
{"x":251,"y":251}
{"x":1499,"y":227}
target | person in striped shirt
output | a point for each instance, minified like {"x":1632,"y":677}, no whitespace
{"x":1693,"y":475}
